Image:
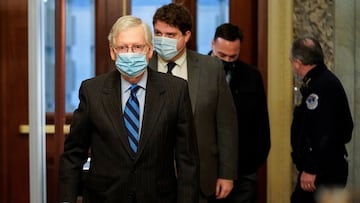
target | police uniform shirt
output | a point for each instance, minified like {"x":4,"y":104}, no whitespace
{"x":322,"y":123}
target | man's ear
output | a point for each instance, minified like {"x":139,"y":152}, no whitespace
{"x":112,"y":53}
{"x":149,"y":54}
{"x":298,"y":61}
{"x":187,"y":35}
{"x":212,"y":47}
{"x":298,"y":64}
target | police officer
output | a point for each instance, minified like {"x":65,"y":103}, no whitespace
{"x":322,"y":124}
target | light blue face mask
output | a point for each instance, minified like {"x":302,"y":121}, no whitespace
{"x":165,"y":47}
{"x":131,"y":64}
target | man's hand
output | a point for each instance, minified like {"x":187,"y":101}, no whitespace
{"x":223,"y":188}
{"x":307,"y":181}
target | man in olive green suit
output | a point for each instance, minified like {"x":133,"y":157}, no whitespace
{"x":211,"y":99}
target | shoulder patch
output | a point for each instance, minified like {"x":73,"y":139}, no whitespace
{"x":312,"y":101}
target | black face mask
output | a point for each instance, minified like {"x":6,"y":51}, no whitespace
{"x":229,"y":66}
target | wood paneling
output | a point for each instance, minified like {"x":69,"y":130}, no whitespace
{"x":14,"y":152}
{"x":106,"y":13}
{"x":14,"y":179}
{"x":262,"y":47}
{"x":244,"y":14}
{"x":262,"y":39}
{"x":251,"y":17}
{"x":191,"y":5}
{"x":3,"y":120}
{"x":55,"y":143}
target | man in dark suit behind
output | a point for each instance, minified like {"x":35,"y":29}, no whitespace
{"x":120,"y":172}
{"x":248,"y":91}
{"x":212,"y":103}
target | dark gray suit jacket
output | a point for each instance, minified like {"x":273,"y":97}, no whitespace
{"x":167,"y":132}
{"x":215,"y":118}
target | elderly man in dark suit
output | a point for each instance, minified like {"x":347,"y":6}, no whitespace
{"x":135,"y":122}
{"x":212,"y":104}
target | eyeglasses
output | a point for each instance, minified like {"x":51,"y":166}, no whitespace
{"x":134,"y":48}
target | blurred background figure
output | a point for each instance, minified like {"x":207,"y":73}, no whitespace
{"x":335,"y":196}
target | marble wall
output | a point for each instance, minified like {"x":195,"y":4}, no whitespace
{"x":316,"y":18}
{"x":347,"y":68}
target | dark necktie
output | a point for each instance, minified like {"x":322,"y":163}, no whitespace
{"x":131,"y":118}
{"x":229,"y":69}
{"x":170,"y":66}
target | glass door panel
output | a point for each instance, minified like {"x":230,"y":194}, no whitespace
{"x":79,"y":54}
{"x":210,"y":14}
{"x":145,"y":9}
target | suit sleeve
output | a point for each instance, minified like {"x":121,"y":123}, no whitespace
{"x":227,"y":134}
{"x":75,"y":152}
{"x":262,"y":132}
{"x":186,"y":152}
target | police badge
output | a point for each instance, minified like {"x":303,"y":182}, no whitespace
{"x":312,"y":101}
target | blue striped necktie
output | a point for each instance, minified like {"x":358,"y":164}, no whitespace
{"x":131,"y":118}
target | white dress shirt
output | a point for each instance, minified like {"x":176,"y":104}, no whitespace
{"x":180,"y":70}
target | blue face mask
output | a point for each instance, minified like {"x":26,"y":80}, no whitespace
{"x":165,"y":47}
{"x":131,"y":64}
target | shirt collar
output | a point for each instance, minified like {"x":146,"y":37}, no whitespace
{"x":179,"y":62}
{"x":125,"y":85}
{"x":314,"y":72}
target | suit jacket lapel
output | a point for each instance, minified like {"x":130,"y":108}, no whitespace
{"x":154,"y":102}
{"x":153,"y":63}
{"x":113,"y":108}
{"x":193,"y":74}
{"x":193,"y":77}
